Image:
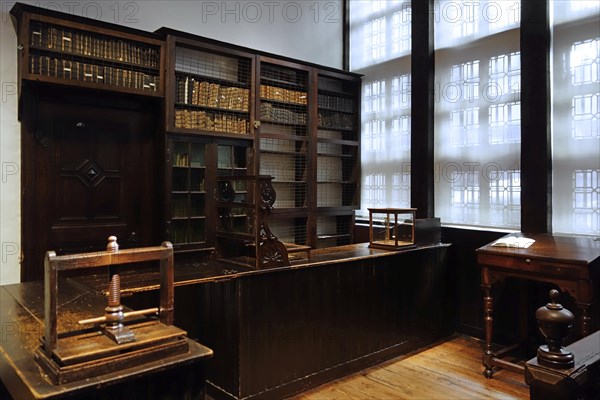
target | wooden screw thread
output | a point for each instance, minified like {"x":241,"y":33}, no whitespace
{"x":114,"y":291}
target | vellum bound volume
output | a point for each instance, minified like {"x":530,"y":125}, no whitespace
{"x":70,"y":48}
{"x":514,"y":241}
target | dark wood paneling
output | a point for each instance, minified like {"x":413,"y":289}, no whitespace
{"x":208,"y":312}
{"x":90,"y":171}
{"x":280,"y":332}
{"x":463,"y":260}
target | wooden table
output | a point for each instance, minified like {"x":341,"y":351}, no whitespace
{"x":22,"y":326}
{"x":571,"y":263}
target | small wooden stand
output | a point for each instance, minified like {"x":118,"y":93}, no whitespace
{"x":243,"y":222}
{"x":398,"y":230}
{"x":117,"y":344}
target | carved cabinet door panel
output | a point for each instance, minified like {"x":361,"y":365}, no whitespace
{"x":93,"y":177}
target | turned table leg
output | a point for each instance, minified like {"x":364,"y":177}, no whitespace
{"x":488,"y":319}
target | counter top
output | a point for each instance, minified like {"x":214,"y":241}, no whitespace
{"x":190,"y":273}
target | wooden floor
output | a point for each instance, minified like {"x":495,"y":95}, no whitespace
{"x":449,"y":370}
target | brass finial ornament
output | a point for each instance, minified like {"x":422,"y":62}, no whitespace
{"x":554,"y":322}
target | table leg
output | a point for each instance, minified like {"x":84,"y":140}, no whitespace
{"x":586,"y":320}
{"x":488,"y":319}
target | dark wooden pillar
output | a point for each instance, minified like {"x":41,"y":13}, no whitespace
{"x":536,"y":163}
{"x":346,"y":35}
{"x":423,"y":69}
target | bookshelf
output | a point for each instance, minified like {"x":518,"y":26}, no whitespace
{"x":337,"y":157}
{"x":188,"y":193}
{"x":195,"y":164}
{"x":283,"y":141}
{"x":209,"y":100}
{"x":293,"y":121}
{"x":91,"y":54}
{"x":228,"y":111}
{"x":308,"y":140}
{"x":209,"y":89}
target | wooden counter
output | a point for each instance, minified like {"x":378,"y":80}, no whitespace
{"x":279,"y":331}
{"x":22,"y":325}
{"x":191,"y":273}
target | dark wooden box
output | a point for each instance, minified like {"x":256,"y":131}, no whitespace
{"x":427,"y":231}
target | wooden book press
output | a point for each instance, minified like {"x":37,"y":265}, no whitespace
{"x":110,"y":343}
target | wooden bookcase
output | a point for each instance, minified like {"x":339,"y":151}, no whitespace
{"x":337,"y":152}
{"x":208,"y":107}
{"x":308,"y":140}
{"x":193,"y":164}
{"x":283,"y":142}
{"x":90,"y":96}
{"x":209,"y":89}
{"x":294,"y":121}
{"x":188,"y":192}
{"x":62,"y":49}
{"x":227,"y":111}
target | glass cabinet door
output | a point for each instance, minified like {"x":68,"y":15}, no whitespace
{"x":212,"y":92}
{"x":188,"y":193}
{"x":283,"y":138}
{"x":337,"y":158}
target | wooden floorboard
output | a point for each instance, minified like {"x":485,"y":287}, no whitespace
{"x":449,"y":370}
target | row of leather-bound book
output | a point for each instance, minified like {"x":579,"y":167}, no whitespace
{"x":206,"y":121}
{"x":87,"y":72}
{"x":60,"y":39}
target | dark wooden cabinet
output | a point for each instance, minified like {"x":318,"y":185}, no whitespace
{"x":338,"y":157}
{"x":308,"y":141}
{"x":283,"y":140}
{"x":294,"y":121}
{"x":90,"y":172}
{"x":281,"y":331}
{"x":90,"y":130}
{"x":193,"y":164}
{"x":172,"y":112}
